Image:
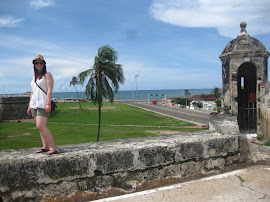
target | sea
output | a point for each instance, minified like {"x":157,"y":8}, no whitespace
{"x":140,"y":94}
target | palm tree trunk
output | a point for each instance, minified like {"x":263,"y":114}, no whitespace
{"x":78,"y":97}
{"x":99,"y":120}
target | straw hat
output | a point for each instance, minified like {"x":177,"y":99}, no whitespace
{"x":39,"y":57}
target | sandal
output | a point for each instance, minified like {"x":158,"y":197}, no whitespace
{"x":42,"y":150}
{"x":50,"y":152}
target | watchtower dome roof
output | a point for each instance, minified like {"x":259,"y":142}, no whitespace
{"x":244,"y":43}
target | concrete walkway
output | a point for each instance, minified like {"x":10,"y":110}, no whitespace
{"x":250,"y":184}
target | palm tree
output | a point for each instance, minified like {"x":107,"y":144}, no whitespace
{"x":216,"y":92}
{"x":187,"y":93}
{"x":75,"y":82}
{"x":104,"y":76}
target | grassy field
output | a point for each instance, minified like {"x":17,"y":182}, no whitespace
{"x":70,"y":125}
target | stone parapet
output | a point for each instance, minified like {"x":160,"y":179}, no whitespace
{"x":97,"y":170}
{"x":14,"y":107}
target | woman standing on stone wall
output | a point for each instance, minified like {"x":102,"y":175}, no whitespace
{"x":40,"y":103}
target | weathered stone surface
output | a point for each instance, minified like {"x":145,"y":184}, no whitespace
{"x":14,"y":107}
{"x":252,"y":151}
{"x":243,"y":53}
{"x":224,"y":124}
{"x":234,"y":55}
{"x":96,"y":170}
{"x":243,"y":44}
{"x":265,"y":111}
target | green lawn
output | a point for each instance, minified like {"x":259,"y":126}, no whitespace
{"x":68,"y":125}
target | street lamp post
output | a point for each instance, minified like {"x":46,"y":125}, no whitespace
{"x":136,"y":86}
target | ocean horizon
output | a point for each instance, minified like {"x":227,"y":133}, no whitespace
{"x":141,"y":94}
{"x":131,"y":94}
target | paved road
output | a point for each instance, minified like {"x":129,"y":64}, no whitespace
{"x":193,"y":116}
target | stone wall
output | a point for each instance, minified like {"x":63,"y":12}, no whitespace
{"x":97,"y":170}
{"x":265,"y":111}
{"x":14,"y":107}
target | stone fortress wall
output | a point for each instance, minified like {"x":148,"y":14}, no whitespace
{"x":14,"y":107}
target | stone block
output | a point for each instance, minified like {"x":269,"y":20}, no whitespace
{"x":224,"y":124}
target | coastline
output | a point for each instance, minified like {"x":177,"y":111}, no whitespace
{"x":130,"y":94}
{"x":141,"y":94}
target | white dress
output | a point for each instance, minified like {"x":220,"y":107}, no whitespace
{"x":39,"y":98}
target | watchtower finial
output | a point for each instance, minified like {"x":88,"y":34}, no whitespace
{"x":243,"y":26}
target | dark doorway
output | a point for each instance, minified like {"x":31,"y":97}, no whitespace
{"x":247,"y":105}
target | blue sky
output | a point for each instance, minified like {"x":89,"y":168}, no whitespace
{"x":170,"y":44}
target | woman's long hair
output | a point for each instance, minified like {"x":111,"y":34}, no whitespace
{"x":43,"y":72}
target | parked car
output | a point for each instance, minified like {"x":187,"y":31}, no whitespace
{"x":213,"y":113}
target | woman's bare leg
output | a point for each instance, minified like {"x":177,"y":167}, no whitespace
{"x":45,"y":133}
{"x":44,"y":143}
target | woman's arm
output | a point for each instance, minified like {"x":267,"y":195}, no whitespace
{"x":28,"y":109}
{"x":49,"y":83}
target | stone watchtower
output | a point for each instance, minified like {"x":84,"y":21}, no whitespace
{"x":244,"y":68}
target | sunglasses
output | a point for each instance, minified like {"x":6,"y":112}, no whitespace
{"x":41,"y":63}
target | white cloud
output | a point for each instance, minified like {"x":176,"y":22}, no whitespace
{"x":23,"y":44}
{"x":157,"y":77}
{"x":62,"y":70}
{"x":38,"y":4}
{"x":9,"y":21}
{"x":224,"y":15}
{"x":67,"y":67}
{"x":62,"y":62}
